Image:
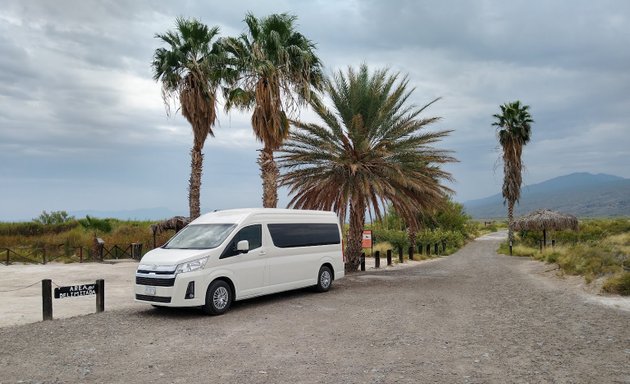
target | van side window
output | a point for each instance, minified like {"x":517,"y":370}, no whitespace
{"x":251,"y":233}
{"x":303,"y":234}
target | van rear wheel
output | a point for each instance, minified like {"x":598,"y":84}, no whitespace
{"x":218,"y":298}
{"x":324,"y":279}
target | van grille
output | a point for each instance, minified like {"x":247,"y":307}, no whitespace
{"x":157,"y":299}
{"x":155,"y":281}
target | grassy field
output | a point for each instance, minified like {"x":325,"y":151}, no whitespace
{"x":600,"y":249}
{"x":30,"y":241}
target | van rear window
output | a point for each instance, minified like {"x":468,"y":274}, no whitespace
{"x":303,"y":235}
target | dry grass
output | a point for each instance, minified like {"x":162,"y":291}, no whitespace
{"x":604,"y":251}
{"x":64,"y":246}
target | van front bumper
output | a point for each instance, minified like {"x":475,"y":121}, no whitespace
{"x":170,"y":290}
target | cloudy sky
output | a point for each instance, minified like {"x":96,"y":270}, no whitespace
{"x":83,"y":125}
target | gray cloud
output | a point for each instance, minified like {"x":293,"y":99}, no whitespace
{"x":82,"y":124}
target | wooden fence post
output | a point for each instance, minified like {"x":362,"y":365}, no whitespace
{"x":363,"y":262}
{"x":44,"y":255}
{"x":436,"y":249}
{"x":80,"y":254}
{"x":389,"y":257}
{"x":8,"y":256}
{"x":400,"y":254}
{"x":377,"y":259}
{"x":47,"y":308}
{"x":100,"y":295}
{"x":410,"y":253}
{"x":420,"y":248}
{"x":428,"y":249}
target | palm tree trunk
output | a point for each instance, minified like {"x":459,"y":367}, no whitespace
{"x":269,"y":173}
{"x":194,"y":187}
{"x":412,"y":231}
{"x":510,"y":220}
{"x":355,"y":236}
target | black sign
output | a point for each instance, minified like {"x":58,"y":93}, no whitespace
{"x":76,"y":290}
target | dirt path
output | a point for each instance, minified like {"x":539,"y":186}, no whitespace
{"x":473,"y":317}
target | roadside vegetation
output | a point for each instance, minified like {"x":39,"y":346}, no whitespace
{"x":449,"y":227}
{"x":28,"y":241}
{"x":600,"y":249}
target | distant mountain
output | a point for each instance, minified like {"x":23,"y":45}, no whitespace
{"x":159,"y":213}
{"x":581,"y":194}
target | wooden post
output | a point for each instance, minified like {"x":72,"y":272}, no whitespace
{"x":553,"y":243}
{"x":47,"y":308}
{"x":436,"y":249}
{"x":80,"y":254}
{"x":400,"y":254}
{"x":44,"y":255}
{"x":443,"y":246}
{"x":8,"y":257}
{"x":541,"y":245}
{"x":410,"y":253}
{"x":363,"y":262}
{"x":428,"y":249}
{"x":510,"y":247}
{"x":420,"y":248}
{"x":389,"y":257}
{"x":377,"y":259}
{"x":100,"y":295}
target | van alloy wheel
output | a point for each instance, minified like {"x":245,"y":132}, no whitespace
{"x":324,"y":279}
{"x":218,"y":298}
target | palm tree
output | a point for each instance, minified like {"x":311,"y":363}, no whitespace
{"x":371,"y":151}
{"x":277,"y":67}
{"x":190,"y":71}
{"x":514,"y":131}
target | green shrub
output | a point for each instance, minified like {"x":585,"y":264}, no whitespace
{"x":619,"y":284}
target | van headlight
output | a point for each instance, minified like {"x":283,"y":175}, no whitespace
{"x":190,"y":266}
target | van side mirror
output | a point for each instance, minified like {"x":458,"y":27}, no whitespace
{"x":242,"y":246}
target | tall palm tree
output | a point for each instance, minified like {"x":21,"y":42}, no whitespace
{"x":371,"y":151}
{"x":190,"y":71}
{"x":277,"y":68}
{"x":514,"y":131}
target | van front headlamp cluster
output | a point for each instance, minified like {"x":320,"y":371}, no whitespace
{"x":190,"y":266}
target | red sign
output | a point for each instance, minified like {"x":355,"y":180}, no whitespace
{"x":367,"y":239}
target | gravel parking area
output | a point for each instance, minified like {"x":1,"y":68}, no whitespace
{"x":473,"y":317}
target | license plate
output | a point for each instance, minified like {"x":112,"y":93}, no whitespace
{"x":148,"y":290}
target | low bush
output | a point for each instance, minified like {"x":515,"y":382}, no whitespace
{"x":619,"y":284}
{"x":601,"y":248}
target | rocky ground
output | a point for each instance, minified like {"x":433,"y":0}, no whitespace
{"x":473,"y":317}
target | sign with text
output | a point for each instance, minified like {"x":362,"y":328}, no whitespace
{"x":76,"y":291}
{"x":367,"y":239}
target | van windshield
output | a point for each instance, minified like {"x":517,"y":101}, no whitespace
{"x":200,"y":236}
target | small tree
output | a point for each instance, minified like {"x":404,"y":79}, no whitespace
{"x":95,"y":225}
{"x":54,"y":217}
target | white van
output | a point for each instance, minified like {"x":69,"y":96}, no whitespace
{"x":237,"y":254}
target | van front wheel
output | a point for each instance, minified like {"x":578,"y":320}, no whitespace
{"x":324,"y":279}
{"x":218,"y":298}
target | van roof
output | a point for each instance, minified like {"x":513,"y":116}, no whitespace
{"x":239,"y":215}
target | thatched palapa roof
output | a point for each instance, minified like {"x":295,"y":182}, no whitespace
{"x":545,"y":219}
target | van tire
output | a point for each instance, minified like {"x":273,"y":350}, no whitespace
{"x":218,"y":298}
{"x":324,"y":279}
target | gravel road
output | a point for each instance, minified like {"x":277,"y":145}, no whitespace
{"x":473,"y":317}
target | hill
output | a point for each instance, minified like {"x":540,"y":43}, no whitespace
{"x":581,"y":194}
